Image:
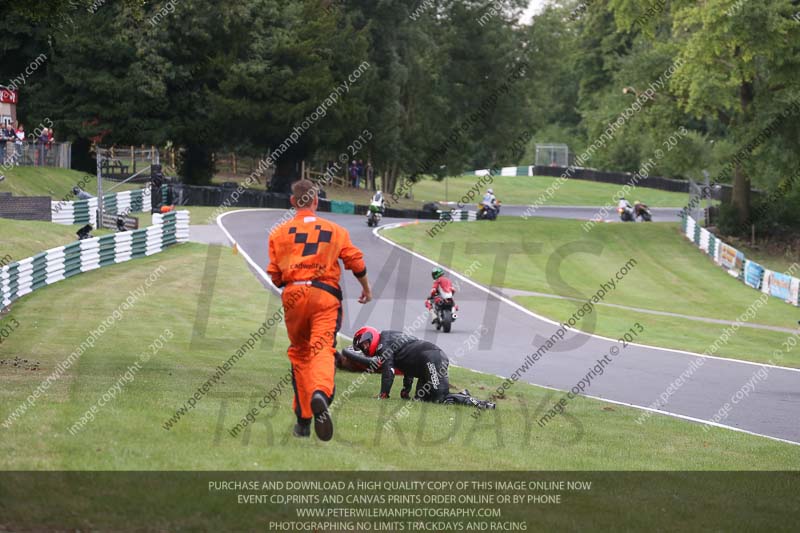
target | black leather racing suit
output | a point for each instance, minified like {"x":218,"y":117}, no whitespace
{"x":415,"y":358}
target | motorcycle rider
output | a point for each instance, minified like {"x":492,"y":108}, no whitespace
{"x":376,"y":208}
{"x":639,"y":210}
{"x":377,"y":199}
{"x":626,"y":208}
{"x":440,"y":282}
{"x":80,"y":194}
{"x":490,"y":203}
{"x":415,"y":358}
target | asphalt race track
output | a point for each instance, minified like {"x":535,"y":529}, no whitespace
{"x":636,"y":376}
{"x":660,"y":214}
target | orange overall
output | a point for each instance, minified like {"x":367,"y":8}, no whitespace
{"x":304,"y":258}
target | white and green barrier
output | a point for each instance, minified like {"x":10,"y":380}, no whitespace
{"x":457,"y":215}
{"x":51,"y":266}
{"x":752,"y":274}
{"x":82,"y":211}
{"x":505,"y":171}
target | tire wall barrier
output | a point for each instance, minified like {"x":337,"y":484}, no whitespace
{"x":51,"y":266}
{"x":458,"y":215}
{"x":776,"y":284}
{"x":83,"y":211}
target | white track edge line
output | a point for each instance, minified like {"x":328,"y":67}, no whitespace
{"x":657,"y":411}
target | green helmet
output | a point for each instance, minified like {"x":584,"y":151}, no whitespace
{"x":437,"y":273}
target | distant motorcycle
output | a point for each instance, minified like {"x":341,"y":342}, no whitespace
{"x":642,"y":211}
{"x":374,"y":213}
{"x":444,"y":306}
{"x":488,"y":213}
{"x":626,"y":214}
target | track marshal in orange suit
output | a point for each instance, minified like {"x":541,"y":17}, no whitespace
{"x":304,"y":256}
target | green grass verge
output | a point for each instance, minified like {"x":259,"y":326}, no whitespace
{"x":204,"y":215}
{"x":556,"y":257}
{"x":54,"y":182}
{"x":529,"y":189}
{"x":678,"y":333}
{"x":128,"y":433}
{"x":22,"y":238}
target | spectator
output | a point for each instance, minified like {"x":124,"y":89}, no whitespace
{"x":20,"y":139}
{"x":3,"y":140}
{"x":354,"y":174}
{"x":10,"y":137}
{"x":330,"y":171}
{"x":361,"y":172}
{"x":370,"y":176}
{"x":51,"y":139}
{"x":42,"y":146}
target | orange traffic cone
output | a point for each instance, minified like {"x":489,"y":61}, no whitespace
{"x":235,"y":249}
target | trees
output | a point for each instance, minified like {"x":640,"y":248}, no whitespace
{"x":442,"y":85}
{"x":739,"y":61}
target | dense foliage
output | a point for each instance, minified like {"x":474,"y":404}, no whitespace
{"x":441,"y":85}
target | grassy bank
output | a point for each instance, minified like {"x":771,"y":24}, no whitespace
{"x":54,"y":182}
{"x":557,"y":257}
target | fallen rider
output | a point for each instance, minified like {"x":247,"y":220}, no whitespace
{"x":390,"y":352}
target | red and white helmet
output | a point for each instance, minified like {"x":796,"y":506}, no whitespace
{"x":367,"y":340}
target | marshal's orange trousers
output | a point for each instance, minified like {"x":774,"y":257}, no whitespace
{"x":313,"y":318}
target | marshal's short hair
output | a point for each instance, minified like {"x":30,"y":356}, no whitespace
{"x":304,"y":192}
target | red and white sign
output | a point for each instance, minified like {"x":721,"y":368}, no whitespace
{"x":7,"y":96}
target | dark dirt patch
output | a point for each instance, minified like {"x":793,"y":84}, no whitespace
{"x":24,"y":364}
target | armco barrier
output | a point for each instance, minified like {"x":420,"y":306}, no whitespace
{"x":83,"y":211}
{"x":776,"y":284}
{"x":45,"y":268}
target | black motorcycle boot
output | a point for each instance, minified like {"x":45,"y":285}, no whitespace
{"x":323,"y":425}
{"x":302,"y":428}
